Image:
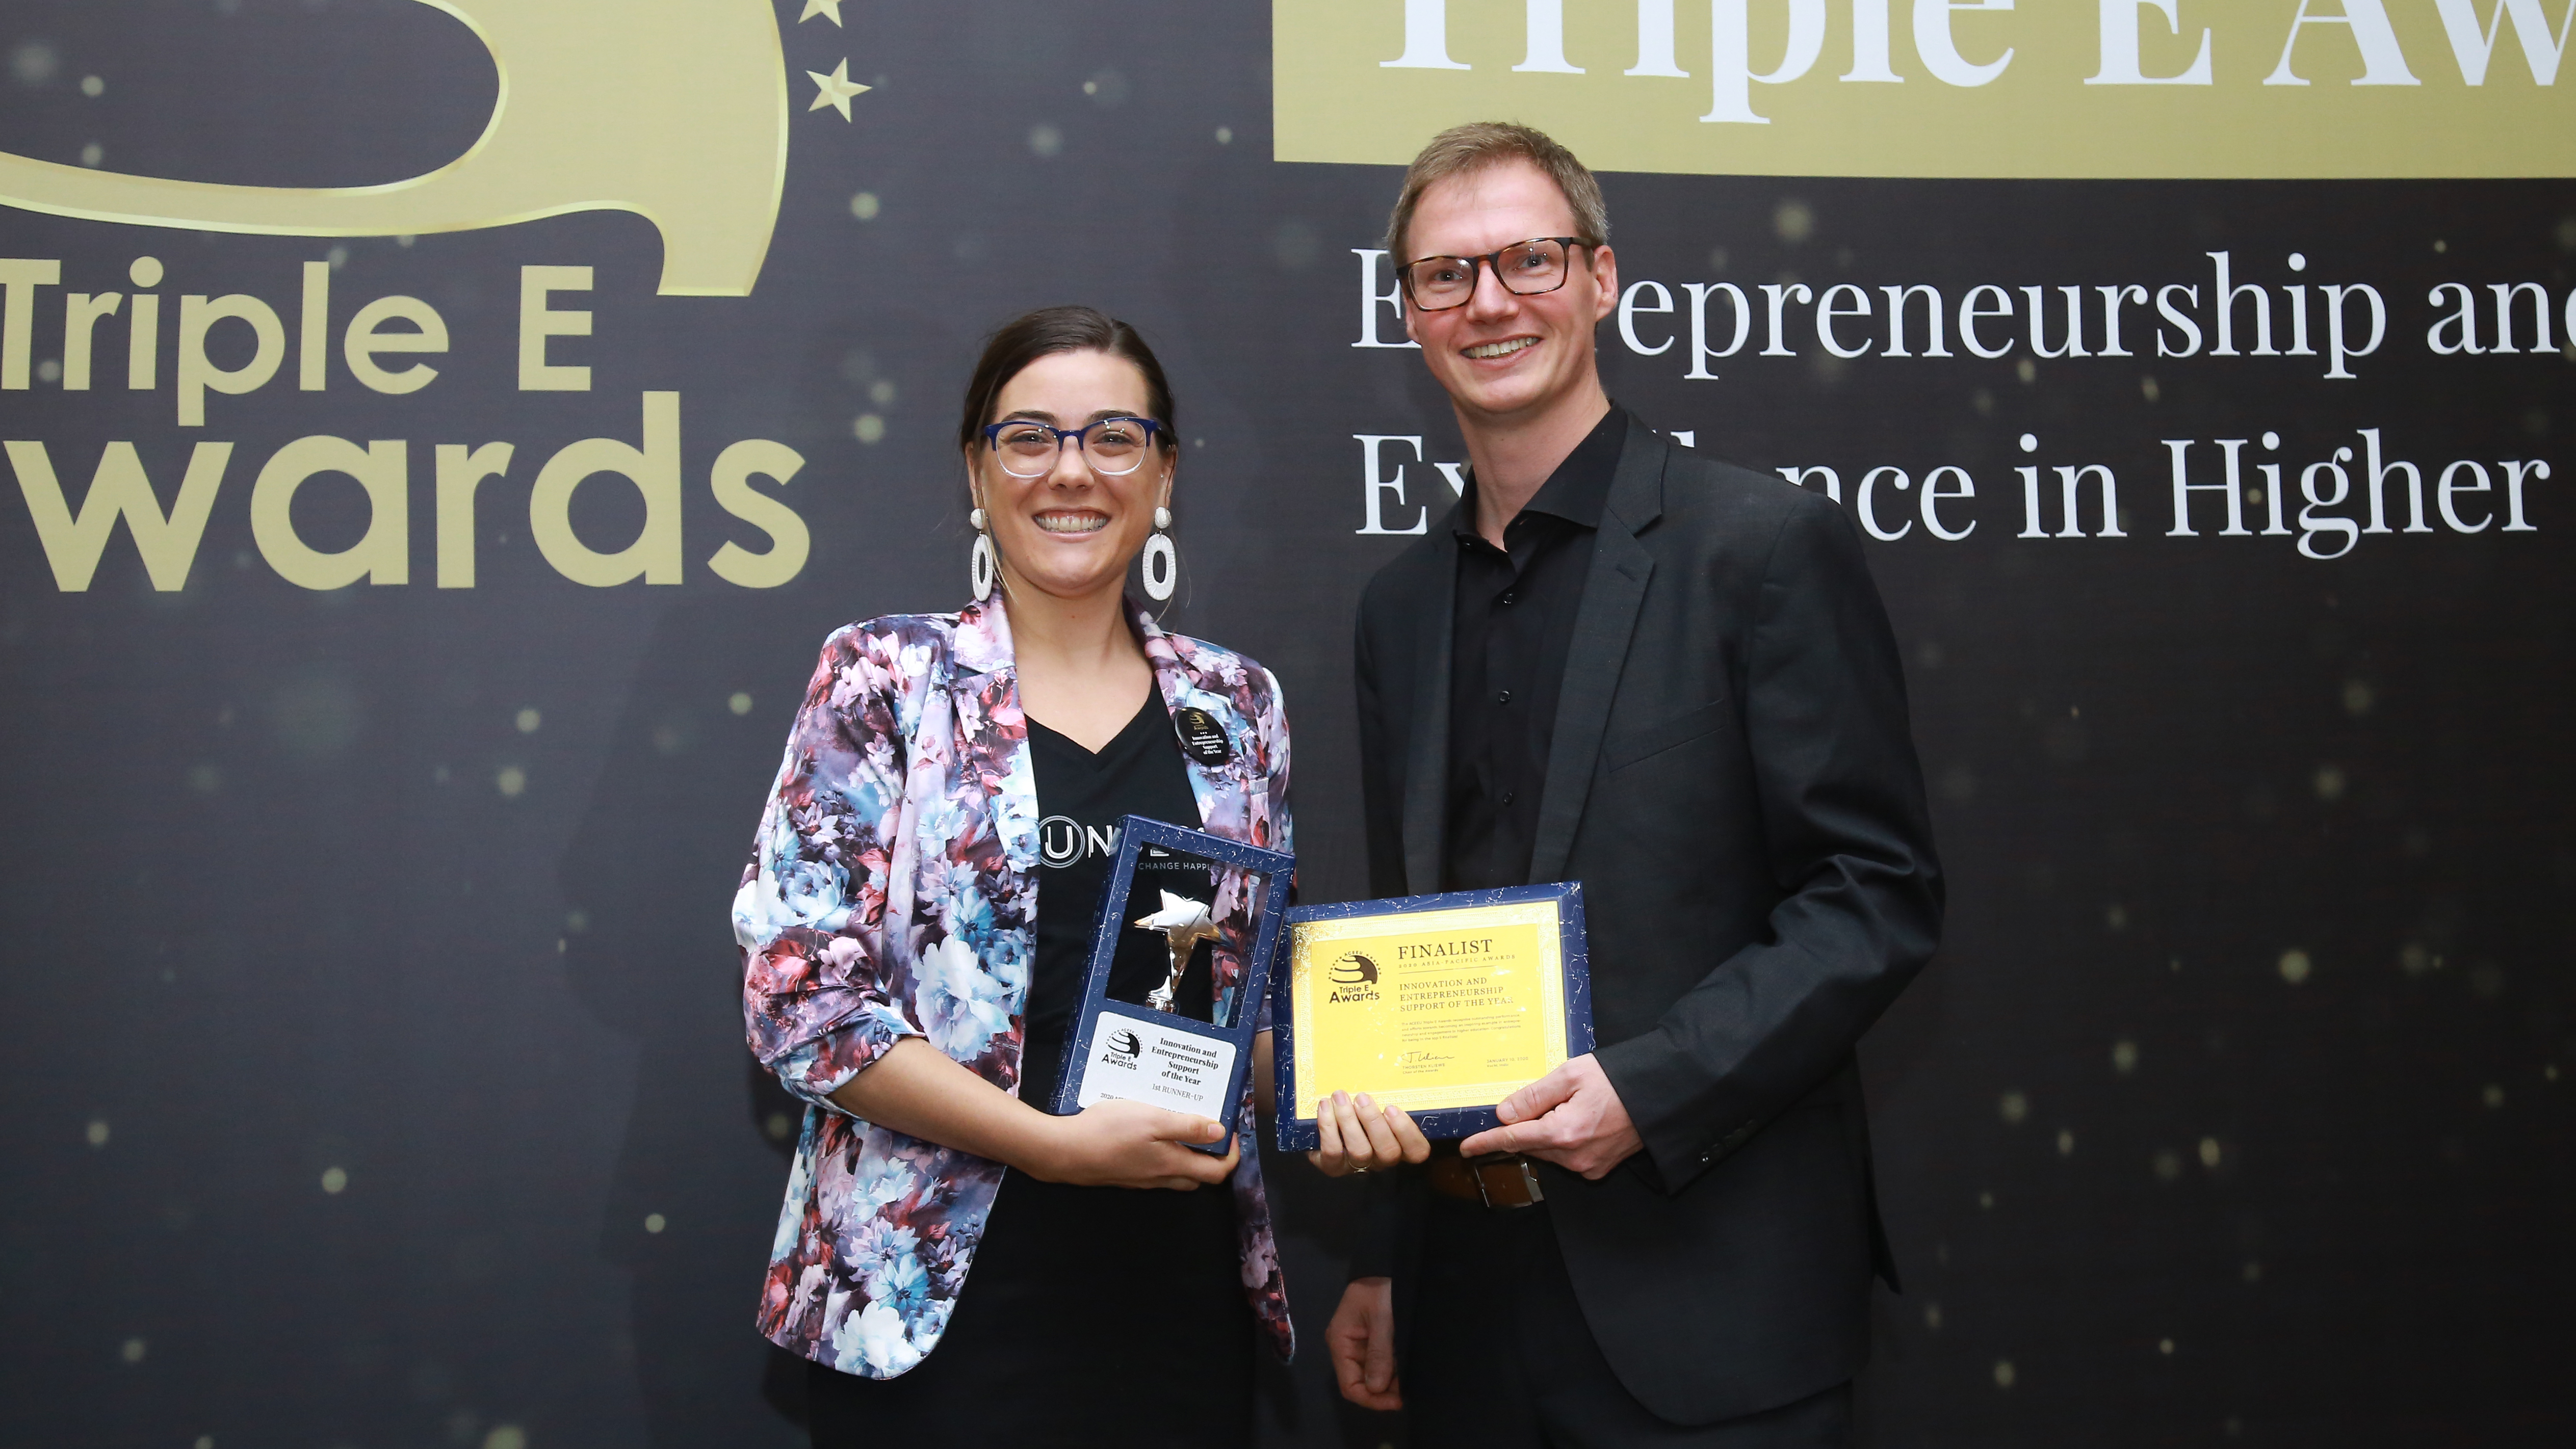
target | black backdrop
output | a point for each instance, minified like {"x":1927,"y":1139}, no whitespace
{"x":369,"y":1039}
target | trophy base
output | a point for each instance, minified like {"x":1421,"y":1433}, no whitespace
{"x":1137,"y":1060}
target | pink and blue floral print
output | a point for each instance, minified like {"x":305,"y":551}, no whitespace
{"x":892,"y":893}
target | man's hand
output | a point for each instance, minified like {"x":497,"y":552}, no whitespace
{"x":1571,"y":1117}
{"x":1361,"y":1340}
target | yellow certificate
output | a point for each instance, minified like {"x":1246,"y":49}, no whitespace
{"x":1426,"y":1010}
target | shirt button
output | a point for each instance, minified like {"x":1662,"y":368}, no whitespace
{"x":1508,"y":596}
{"x":1503,"y":698}
{"x":1507,"y":797}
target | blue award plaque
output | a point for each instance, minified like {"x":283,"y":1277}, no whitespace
{"x":1442,"y":1005}
{"x":1181,"y":948}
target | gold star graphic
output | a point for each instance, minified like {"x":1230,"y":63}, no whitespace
{"x":835,"y":89}
{"x":828,"y":9}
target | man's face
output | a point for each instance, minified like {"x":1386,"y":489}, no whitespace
{"x":1503,"y":355}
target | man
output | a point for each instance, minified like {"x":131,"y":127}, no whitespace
{"x":1671,"y":679}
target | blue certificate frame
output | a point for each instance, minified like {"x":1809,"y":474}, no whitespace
{"x":1299,"y":1134}
{"x":1183,"y":1042}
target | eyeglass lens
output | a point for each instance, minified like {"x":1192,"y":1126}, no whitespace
{"x":1524,"y":268}
{"x":1115,"y":446}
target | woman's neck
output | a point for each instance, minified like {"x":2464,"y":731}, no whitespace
{"x":1082,"y":672}
{"x":1078,"y":635}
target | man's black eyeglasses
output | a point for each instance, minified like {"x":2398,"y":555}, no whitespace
{"x":1525,"y":268}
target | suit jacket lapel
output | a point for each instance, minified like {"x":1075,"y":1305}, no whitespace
{"x":1426,"y":762}
{"x":1613,"y":590}
{"x":991,"y":738}
{"x":1175,"y":680}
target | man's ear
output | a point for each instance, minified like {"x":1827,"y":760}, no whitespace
{"x":1605,"y":276}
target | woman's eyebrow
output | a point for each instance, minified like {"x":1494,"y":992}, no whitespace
{"x":1041,"y":415}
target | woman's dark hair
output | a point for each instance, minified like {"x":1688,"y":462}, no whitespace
{"x":1050,"y":330}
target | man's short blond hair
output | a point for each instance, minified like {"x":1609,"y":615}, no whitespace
{"x":1477,"y":145}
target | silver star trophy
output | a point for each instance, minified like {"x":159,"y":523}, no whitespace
{"x":1184,"y":923}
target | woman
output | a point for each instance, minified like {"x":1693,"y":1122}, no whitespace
{"x":900,"y":977}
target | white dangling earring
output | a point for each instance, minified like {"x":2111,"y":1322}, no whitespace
{"x":1162,"y":562}
{"x":982,"y":565}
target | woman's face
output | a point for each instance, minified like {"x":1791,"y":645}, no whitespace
{"x":1071,"y":531}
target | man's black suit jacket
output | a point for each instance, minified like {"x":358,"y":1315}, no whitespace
{"x":1732,"y":780}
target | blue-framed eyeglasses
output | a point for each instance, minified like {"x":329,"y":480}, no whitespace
{"x":1113,"y":446}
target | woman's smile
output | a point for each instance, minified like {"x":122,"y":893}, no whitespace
{"x":1072,"y":520}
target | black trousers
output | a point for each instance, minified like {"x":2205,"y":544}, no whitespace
{"x":1498,"y":1355}
{"x":1093,"y":1316}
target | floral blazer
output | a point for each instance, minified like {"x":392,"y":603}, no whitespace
{"x":891,"y":893}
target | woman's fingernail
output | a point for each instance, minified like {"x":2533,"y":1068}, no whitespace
{"x":1365,"y":1103}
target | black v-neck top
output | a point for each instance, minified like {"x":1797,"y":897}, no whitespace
{"x":1080,"y":798}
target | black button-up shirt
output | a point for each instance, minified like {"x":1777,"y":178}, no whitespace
{"x":1515,"y":619}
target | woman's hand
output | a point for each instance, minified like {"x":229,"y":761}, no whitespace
{"x":1130,"y":1144}
{"x":1360,"y":1136}
{"x":919,"y":1092}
